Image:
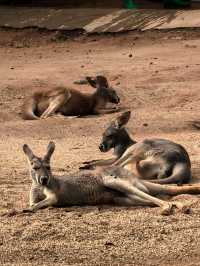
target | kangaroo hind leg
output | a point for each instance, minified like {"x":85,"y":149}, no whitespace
{"x":132,"y":191}
{"x":181,"y":174}
{"x":55,"y":103}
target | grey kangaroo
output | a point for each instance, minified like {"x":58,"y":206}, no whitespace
{"x":157,"y":160}
{"x":70,"y":102}
{"x":115,"y":185}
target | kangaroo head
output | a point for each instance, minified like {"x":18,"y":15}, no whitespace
{"x":115,"y":132}
{"x":104,"y":91}
{"x":40,"y":167}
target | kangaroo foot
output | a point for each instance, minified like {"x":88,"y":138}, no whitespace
{"x":167,"y":208}
{"x":28,"y":210}
{"x":89,"y":162}
{"x":87,"y":167}
{"x":184,"y":208}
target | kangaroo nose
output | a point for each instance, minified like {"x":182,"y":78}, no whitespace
{"x":44,"y":180}
{"x":101,"y":147}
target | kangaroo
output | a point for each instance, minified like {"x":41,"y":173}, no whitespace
{"x":112,"y":186}
{"x":157,"y":160}
{"x":70,"y":102}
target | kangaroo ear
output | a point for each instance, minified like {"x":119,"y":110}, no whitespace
{"x":122,"y":120}
{"x":92,"y":82}
{"x":28,"y":152}
{"x":101,"y":82}
{"x":50,"y":149}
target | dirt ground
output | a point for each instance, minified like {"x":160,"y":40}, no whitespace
{"x":157,"y":76}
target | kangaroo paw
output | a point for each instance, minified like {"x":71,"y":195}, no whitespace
{"x":89,"y":162}
{"x":87,"y":167}
{"x":27,"y":210}
{"x":167,"y":209}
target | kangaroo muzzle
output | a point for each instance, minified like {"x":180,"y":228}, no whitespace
{"x":116,"y":100}
{"x":103,"y":147}
{"x":44,"y":180}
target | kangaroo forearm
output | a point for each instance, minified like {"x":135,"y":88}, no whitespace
{"x":42,"y":204}
{"x":104,"y":162}
{"x":94,"y":163}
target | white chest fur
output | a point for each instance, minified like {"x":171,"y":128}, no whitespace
{"x":50,"y":195}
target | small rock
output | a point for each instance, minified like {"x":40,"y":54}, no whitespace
{"x":136,"y":37}
{"x":130,"y":55}
{"x":190,"y":46}
{"x":109,"y":243}
{"x":145,"y":125}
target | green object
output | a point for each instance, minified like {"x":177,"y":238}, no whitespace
{"x":130,"y":4}
{"x":177,"y":3}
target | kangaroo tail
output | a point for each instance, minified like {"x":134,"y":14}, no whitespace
{"x":28,"y":110}
{"x":181,"y":174}
{"x":171,"y":190}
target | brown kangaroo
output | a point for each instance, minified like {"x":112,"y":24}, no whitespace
{"x":114,"y":185}
{"x":70,"y":102}
{"x":157,"y":160}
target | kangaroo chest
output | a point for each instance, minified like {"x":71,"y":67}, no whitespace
{"x":50,"y":194}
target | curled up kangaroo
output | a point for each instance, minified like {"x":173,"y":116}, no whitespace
{"x":157,"y":160}
{"x":71,"y":102}
{"x":114,"y":185}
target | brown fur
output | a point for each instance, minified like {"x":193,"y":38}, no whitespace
{"x":70,"y":102}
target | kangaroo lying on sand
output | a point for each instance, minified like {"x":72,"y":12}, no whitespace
{"x":70,"y":102}
{"x":115,"y":185}
{"x":157,"y":160}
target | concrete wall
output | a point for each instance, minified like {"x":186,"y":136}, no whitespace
{"x":67,"y":3}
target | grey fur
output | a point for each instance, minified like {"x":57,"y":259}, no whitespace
{"x":159,"y":160}
{"x":113,"y":185}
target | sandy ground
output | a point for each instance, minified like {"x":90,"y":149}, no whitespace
{"x":157,"y":76}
